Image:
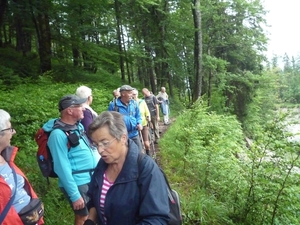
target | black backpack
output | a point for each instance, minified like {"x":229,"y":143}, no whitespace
{"x":174,"y":201}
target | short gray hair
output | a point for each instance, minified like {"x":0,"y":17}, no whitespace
{"x":113,"y":120}
{"x":135,"y":91}
{"x":4,"y":118}
{"x":83,"y":92}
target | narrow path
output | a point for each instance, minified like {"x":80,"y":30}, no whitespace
{"x":162,"y":129}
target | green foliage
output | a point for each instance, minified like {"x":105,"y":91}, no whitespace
{"x":7,"y":77}
{"x":289,"y":80}
{"x":264,"y":103}
{"x":221,"y":181}
{"x":30,"y":106}
{"x":17,"y":65}
{"x":207,"y":144}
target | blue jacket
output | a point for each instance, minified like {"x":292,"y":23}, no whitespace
{"x":80,"y":157}
{"x":131,"y":114}
{"x":132,"y":200}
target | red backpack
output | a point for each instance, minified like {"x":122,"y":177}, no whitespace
{"x":43,"y":156}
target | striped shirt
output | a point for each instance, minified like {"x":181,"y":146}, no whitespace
{"x":106,"y":185}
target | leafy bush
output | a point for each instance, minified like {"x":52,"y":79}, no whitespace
{"x":221,"y":181}
{"x":30,"y":106}
{"x":22,"y":66}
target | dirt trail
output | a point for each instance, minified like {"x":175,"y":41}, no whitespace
{"x":162,"y":129}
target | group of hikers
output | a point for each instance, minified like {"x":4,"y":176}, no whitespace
{"x":140,"y":114}
{"x":97,"y":159}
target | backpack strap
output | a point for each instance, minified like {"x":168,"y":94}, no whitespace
{"x":153,"y":101}
{"x":83,"y":136}
{"x":8,"y":205}
{"x":116,"y":108}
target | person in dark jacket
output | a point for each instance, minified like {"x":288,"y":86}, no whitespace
{"x":89,"y":114}
{"x":124,"y":191}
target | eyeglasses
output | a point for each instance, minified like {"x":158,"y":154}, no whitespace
{"x":10,"y":128}
{"x":103,"y":144}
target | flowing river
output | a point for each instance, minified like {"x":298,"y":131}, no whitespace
{"x":294,"y":127}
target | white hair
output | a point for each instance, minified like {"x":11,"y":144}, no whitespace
{"x":83,"y":92}
{"x":135,"y":91}
{"x":4,"y":118}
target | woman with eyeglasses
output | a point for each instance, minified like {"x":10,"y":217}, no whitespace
{"x":126,"y":188}
{"x":13,"y":182}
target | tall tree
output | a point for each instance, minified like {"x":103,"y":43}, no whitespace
{"x":198,"y":51}
{"x":40,"y":17}
{"x":3,"y":6}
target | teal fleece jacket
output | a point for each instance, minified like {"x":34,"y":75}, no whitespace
{"x":68,"y":160}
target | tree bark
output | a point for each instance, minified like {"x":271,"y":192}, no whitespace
{"x":42,"y":27}
{"x":3,"y":6}
{"x":44,"y":42}
{"x":121,"y":58}
{"x":197,"y":51}
{"x":23,"y":36}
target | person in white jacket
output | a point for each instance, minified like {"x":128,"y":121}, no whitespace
{"x":163,"y":100}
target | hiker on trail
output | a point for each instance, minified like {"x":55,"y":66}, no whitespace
{"x":89,"y":114}
{"x":131,"y":113}
{"x":152,"y":104}
{"x":116,"y":93}
{"x":127,"y":188}
{"x":145,"y":114}
{"x":163,"y":100}
{"x":73,"y":158}
{"x":13,"y":182}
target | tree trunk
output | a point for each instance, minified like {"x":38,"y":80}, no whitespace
{"x":3,"y":6}
{"x":76,"y":55}
{"x":42,"y":27}
{"x":197,"y":51}
{"x":22,"y":28}
{"x":121,"y":58}
{"x":44,"y":42}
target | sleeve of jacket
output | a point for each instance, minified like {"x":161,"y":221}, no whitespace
{"x":87,"y":120}
{"x":58,"y":145}
{"x":154,"y":205}
{"x":91,"y":192}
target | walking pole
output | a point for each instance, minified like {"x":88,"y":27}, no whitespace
{"x":151,"y":140}
{"x":142,"y":140}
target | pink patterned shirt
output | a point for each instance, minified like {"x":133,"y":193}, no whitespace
{"x":106,"y":185}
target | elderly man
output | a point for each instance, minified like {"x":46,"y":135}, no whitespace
{"x":152,"y":104}
{"x":73,"y":158}
{"x":131,"y":113}
{"x":163,"y":100}
{"x":116,"y":93}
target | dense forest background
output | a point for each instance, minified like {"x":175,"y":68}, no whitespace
{"x":238,"y":165}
